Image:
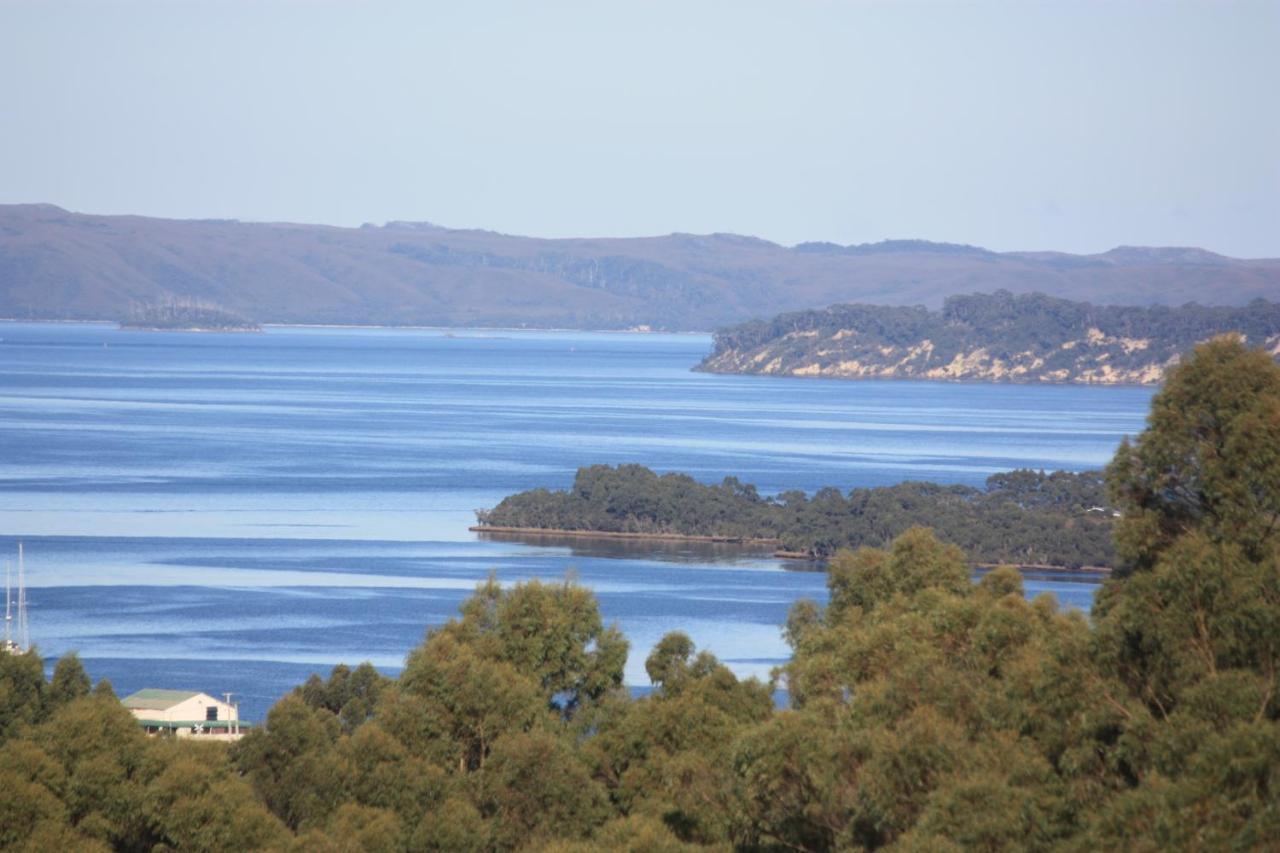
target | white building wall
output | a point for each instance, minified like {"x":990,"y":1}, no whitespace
{"x":189,"y":710}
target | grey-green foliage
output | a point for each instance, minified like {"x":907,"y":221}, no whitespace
{"x":1209,"y":461}
{"x":1192,"y":629}
{"x":1025,"y":517}
{"x":79,"y":774}
{"x":69,"y":681}
{"x":351,"y":694}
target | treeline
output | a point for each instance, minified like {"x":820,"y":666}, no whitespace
{"x":77,"y":773}
{"x":1022,"y":517}
{"x":998,"y":336}
{"x":1018,"y":321}
{"x":926,"y":712}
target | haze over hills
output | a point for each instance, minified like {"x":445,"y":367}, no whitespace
{"x":55,"y":264}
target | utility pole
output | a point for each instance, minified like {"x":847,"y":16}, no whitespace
{"x":235,"y":714}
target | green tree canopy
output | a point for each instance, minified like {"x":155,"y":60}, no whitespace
{"x":1193,"y":632}
{"x":1209,"y":461}
{"x":70,"y":681}
{"x":552,"y":633}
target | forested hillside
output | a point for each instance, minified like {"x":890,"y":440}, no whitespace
{"x":55,"y":264}
{"x":925,"y":712}
{"x":999,"y":337}
{"x":1021,"y":517}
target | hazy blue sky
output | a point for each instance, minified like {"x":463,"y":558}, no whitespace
{"x":1072,"y":126}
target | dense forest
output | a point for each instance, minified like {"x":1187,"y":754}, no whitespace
{"x":994,"y":337}
{"x":1021,"y":517}
{"x":925,"y":712}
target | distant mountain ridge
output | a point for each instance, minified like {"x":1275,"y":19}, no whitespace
{"x":999,"y":337}
{"x":55,"y":264}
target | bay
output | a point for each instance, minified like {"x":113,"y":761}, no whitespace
{"x":233,"y":512}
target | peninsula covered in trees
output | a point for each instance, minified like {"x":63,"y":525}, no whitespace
{"x":998,"y":337}
{"x":1020,"y":517}
{"x":925,"y":712}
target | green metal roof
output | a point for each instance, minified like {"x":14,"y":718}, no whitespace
{"x":152,"y":699}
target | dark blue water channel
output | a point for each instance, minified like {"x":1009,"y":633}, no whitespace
{"x":233,"y":512}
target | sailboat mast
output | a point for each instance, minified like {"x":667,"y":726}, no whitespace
{"x":8,"y":605}
{"x":24,"y":632}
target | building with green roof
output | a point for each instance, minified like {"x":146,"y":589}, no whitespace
{"x":184,"y":713}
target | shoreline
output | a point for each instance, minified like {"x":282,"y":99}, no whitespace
{"x":1044,"y":567}
{"x":198,"y":329}
{"x":1039,"y":383}
{"x":618,"y":534}
{"x":410,"y":327}
{"x":746,"y":541}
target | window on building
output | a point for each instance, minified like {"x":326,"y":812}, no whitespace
{"x":211,"y":713}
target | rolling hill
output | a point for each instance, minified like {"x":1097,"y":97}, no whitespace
{"x":56,"y":264}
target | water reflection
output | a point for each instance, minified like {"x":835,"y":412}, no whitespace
{"x":664,"y":550}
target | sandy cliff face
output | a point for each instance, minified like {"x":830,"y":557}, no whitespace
{"x":996,"y":337}
{"x":1086,"y":360}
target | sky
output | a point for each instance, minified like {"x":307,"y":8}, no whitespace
{"x":1073,"y":126}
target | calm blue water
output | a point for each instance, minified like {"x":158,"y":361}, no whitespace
{"x":233,"y":512}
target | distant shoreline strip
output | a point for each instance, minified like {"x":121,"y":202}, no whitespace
{"x":614,"y":534}
{"x":743,"y":540}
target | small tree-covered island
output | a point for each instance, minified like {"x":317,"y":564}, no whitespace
{"x":924,"y":711}
{"x":997,"y":337}
{"x":186,"y":316}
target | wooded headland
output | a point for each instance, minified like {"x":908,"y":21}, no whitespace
{"x":995,"y":337}
{"x":1022,"y":517}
